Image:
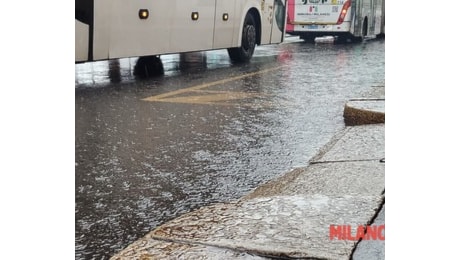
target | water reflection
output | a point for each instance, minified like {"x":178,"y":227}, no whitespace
{"x":192,"y":62}
{"x":148,"y":66}
{"x":114,"y":71}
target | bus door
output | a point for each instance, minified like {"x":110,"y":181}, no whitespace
{"x":273,"y":21}
{"x":278,"y":21}
{"x":356,"y":14}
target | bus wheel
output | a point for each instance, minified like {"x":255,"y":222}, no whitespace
{"x":248,"y":41}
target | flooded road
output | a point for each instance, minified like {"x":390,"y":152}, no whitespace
{"x":149,"y":150}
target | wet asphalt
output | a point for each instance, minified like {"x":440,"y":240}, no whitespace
{"x":150,"y":149}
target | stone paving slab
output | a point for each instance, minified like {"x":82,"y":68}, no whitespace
{"x":365,"y":178}
{"x":366,"y":142}
{"x":151,"y":249}
{"x":362,"y":112}
{"x":375,"y":105}
{"x":376,"y":92}
{"x":372,"y":249}
{"x":279,"y":226}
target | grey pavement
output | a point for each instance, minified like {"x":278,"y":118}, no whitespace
{"x":291,"y":216}
{"x":372,"y":249}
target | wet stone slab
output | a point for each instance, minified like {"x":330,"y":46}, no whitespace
{"x":366,"y":142}
{"x":372,"y":249}
{"x":369,"y":109}
{"x":331,"y":179}
{"x":364,"y":112}
{"x":150,"y":249}
{"x":371,"y":105}
{"x":376,"y":92}
{"x":279,"y":226}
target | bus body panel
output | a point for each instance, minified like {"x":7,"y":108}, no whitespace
{"x":132,"y":36}
{"x":116,"y":30}
{"x":192,"y":35}
{"x":101,"y":29}
{"x":267,"y":12}
{"x":382,"y":25}
{"x":81,"y":41}
{"x":224,"y":29}
{"x":379,"y":16}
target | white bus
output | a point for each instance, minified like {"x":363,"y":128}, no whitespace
{"x":346,"y":19}
{"x":112,"y":29}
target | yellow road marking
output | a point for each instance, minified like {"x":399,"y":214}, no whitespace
{"x":212,"y":96}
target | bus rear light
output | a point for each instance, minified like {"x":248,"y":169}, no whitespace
{"x":344,"y":11}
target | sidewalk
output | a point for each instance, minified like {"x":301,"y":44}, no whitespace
{"x":290,"y":217}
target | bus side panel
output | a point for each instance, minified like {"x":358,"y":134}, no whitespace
{"x":356,"y":18}
{"x":132,"y":36}
{"x":267,"y":20}
{"x":240,"y":12}
{"x":363,"y":10}
{"x":192,"y":35}
{"x":374,"y":11}
{"x":378,"y":16}
{"x":368,"y":12}
{"x":382,"y":26}
{"x":101,"y":29}
{"x":223,"y":30}
{"x":81,"y":41}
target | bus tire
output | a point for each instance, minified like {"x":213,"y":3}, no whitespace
{"x":248,"y":41}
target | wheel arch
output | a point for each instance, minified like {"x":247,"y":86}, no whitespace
{"x":256,"y":15}
{"x":246,"y":44}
